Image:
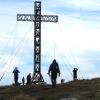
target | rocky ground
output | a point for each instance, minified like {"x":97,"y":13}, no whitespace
{"x":74,"y":90}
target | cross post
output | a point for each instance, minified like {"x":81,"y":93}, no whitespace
{"x":37,"y":18}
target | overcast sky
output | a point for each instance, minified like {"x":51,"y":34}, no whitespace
{"x":74,"y":41}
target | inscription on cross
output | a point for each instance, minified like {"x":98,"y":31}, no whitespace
{"x":37,"y":18}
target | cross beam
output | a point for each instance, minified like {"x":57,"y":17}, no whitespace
{"x":31,"y":17}
{"x":37,"y":18}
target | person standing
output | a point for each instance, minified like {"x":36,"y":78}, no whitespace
{"x":29,"y":79}
{"x":53,"y":71}
{"x":23,"y":81}
{"x":16,"y":72}
{"x":75,"y":73}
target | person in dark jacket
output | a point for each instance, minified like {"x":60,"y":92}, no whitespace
{"x":75,"y":73}
{"x":29,"y":79}
{"x":16,"y":72}
{"x":53,"y":71}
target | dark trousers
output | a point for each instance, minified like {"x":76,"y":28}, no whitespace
{"x":75,"y":76}
{"x":16,"y":80}
{"x":53,"y":80}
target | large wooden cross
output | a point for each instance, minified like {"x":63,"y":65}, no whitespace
{"x":37,"y":18}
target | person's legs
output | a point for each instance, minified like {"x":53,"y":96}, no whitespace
{"x":53,"y":80}
{"x":16,"y":80}
{"x":75,"y":76}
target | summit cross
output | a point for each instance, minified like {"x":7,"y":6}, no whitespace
{"x":37,"y":18}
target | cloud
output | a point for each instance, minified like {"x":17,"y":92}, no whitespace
{"x":73,"y":41}
{"x":84,"y":10}
{"x":86,"y":4}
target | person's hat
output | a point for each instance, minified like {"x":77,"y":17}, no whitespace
{"x":54,"y":60}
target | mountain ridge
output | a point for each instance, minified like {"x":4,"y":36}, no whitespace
{"x":87,"y":89}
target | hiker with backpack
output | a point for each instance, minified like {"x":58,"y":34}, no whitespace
{"x":53,"y":71}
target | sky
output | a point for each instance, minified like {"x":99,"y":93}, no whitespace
{"x":73,"y":41}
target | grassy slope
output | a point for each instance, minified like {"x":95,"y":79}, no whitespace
{"x":82,"y":90}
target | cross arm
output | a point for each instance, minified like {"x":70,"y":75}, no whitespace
{"x":31,"y":17}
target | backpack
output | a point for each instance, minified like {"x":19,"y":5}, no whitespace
{"x":54,"y":68}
